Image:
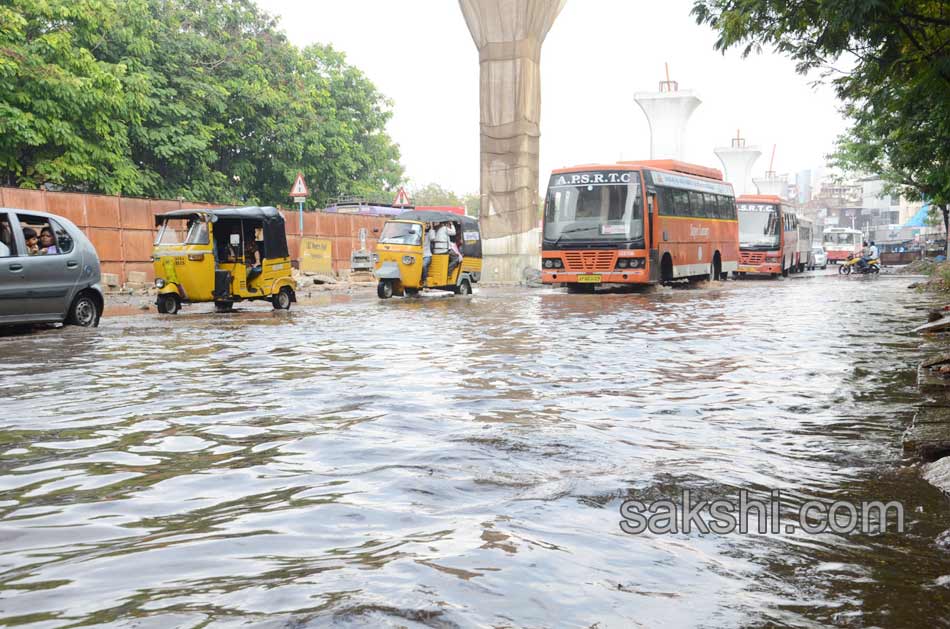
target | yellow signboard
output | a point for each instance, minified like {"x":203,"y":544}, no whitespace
{"x":316,"y":256}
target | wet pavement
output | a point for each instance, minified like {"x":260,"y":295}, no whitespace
{"x":453,"y":462}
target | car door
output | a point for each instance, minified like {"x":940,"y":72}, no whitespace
{"x":49,"y":278}
{"x":13,"y":291}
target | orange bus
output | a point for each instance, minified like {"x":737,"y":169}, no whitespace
{"x":768,"y":236}
{"x":637,"y":223}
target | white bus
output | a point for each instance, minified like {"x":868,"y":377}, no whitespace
{"x":841,"y":242}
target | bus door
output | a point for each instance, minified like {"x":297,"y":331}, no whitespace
{"x":654,"y":253}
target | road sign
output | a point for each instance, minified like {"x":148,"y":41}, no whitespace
{"x":401,"y":197}
{"x":299,"y":189}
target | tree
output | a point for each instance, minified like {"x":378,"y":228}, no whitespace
{"x":896,"y":88}
{"x":434,"y":194}
{"x":203,"y":99}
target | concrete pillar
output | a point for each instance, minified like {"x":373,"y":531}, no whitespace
{"x":508,"y":35}
{"x":773,"y":184}
{"x":668,"y":112}
{"x":737,"y":161}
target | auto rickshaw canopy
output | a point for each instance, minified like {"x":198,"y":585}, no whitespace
{"x":272,"y":221}
{"x":471,"y":235}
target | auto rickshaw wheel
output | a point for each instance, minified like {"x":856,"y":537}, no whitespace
{"x":223,"y":306}
{"x":464,"y":288}
{"x":283,"y":299}
{"x":168,"y":304}
{"x":384,"y":290}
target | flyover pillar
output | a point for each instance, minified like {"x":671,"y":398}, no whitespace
{"x":508,"y":35}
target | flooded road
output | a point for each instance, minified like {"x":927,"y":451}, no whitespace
{"x":462,"y":462}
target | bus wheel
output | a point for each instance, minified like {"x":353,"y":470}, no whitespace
{"x":785,"y":270}
{"x":717,"y":269}
{"x":168,"y":304}
{"x":384,"y":290}
{"x":666,"y":269}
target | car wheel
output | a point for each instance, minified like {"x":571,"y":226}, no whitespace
{"x":283,"y":299}
{"x":168,"y":304}
{"x":84,"y":312}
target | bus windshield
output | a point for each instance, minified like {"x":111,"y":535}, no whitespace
{"x":758,"y":226}
{"x":840,"y":238}
{"x":594,"y":206}
{"x":178,"y":232}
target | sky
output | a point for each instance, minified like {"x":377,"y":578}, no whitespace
{"x":420,"y":54}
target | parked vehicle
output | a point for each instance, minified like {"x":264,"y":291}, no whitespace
{"x":222,"y":256}
{"x":819,"y":258}
{"x":398,"y":258}
{"x":49,"y":271}
{"x":853,"y":266}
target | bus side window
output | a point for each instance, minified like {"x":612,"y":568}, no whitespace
{"x":666,"y":202}
{"x":696,"y":204}
{"x":680,"y":203}
{"x":711,"y":205}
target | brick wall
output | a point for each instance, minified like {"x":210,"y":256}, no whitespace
{"x":123,"y":228}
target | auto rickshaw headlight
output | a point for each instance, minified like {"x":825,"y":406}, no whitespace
{"x":408,"y":259}
{"x":159,"y":282}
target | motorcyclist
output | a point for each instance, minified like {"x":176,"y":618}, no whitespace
{"x":865,"y":255}
{"x":873,"y":253}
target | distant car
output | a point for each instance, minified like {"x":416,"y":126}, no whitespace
{"x":49,"y":271}
{"x":819,"y":257}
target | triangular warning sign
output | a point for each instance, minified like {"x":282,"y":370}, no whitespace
{"x":299,"y":189}
{"x":401,"y":197}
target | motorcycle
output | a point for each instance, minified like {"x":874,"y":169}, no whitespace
{"x":853,"y":265}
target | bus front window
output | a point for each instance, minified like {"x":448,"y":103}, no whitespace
{"x":594,"y":206}
{"x":758,"y":226}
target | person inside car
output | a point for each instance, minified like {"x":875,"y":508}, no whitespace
{"x":47,"y":242}
{"x":32,"y":242}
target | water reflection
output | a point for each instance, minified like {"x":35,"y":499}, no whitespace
{"x":460,"y":462}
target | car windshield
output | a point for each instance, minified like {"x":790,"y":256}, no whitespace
{"x":179,"y":231}
{"x":594,"y":206}
{"x":397,"y":233}
{"x":758,"y":226}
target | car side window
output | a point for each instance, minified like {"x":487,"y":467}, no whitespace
{"x":7,"y":241}
{"x":64,"y":242}
{"x":42,"y":236}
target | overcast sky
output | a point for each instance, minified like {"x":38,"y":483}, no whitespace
{"x":598,"y":54}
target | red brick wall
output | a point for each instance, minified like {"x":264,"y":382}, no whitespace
{"x":123,"y":229}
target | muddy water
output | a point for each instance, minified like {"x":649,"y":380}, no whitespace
{"x":450,"y":462}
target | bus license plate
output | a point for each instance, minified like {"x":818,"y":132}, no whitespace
{"x":588,"y":279}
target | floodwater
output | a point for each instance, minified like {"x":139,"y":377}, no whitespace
{"x":461,"y":462}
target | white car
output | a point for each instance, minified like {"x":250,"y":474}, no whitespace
{"x":819,"y":257}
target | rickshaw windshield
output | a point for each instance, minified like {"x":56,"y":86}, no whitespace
{"x":183,"y":231}
{"x":395,"y":233}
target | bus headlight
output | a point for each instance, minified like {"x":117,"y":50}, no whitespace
{"x":159,"y":282}
{"x":549,"y":263}
{"x":553,"y":263}
{"x":558,"y":263}
{"x":622,"y":263}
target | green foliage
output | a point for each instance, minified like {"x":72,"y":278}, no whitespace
{"x":203,"y":99}
{"x":889,"y":62}
{"x":434,"y":194}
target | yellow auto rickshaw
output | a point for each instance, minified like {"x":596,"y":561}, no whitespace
{"x":222,"y":256}
{"x":398,"y":261}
